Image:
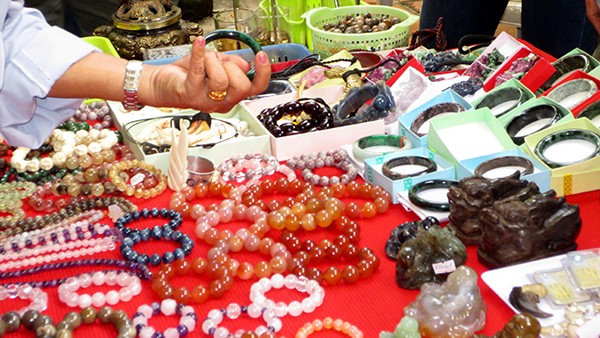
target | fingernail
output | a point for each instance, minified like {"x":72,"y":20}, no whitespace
{"x":201,"y":42}
{"x":262,"y":58}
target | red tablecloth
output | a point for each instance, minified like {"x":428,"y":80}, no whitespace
{"x":373,"y":305}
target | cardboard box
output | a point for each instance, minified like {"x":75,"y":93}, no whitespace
{"x":541,"y":174}
{"x":406,"y":120}
{"x":565,"y":113}
{"x":474,"y":133}
{"x":575,"y":178}
{"x":373,"y":166}
{"x":533,"y":79}
{"x":287,"y":147}
{"x":259,"y":143}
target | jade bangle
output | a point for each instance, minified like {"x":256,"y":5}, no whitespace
{"x":413,"y":194}
{"x":529,"y":116}
{"x":433,"y":111}
{"x":429,"y":165}
{"x":235,"y":35}
{"x":505,"y":161}
{"x":503,"y":100}
{"x":363,"y":148}
{"x":563,"y":135}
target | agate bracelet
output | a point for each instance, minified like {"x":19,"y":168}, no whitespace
{"x":429,"y":166}
{"x":529,"y":116}
{"x":505,"y":161}
{"x":363,"y":147}
{"x":563,"y":135}
{"x":433,"y":111}
{"x":413,"y":194}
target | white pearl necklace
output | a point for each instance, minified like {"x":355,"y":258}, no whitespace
{"x":65,"y":144}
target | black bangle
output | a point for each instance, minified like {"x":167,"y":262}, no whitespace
{"x":591,"y":112}
{"x":505,"y":161}
{"x":563,"y":135}
{"x":503,"y":100}
{"x":527,"y":117}
{"x":235,"y":35}
{"x":429,"y":165}
{"x":433,"y":111}
{"x":415,"y":190}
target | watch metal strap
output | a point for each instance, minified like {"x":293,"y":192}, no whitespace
{"x":130,"y":88}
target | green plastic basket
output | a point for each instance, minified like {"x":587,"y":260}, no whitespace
{"x":328,"y":43}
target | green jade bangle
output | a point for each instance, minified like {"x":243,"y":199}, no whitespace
{"x":429,"y":166}
{"x":378,"y":145}
{"x":564,"y":135}
{"x":503,"y":100}
{"x":415,"y":190}
{"x":235,"y":35}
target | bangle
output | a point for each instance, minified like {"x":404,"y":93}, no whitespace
{"x":329,"y":324}
{"x":239,"y":36}
{"x":517,"y":127}
{"x":131,"y":85}
{"x":502,"y":100}
{"x":105,"y":315}
{"x":562,"y":136}
{"x":428,"y":165}
{"x":316,"y":293}
{"x":378,"y":145}
{"x":571,"y":93}
{"x":415,"y":190}
{"x":186,"y":246}
{"x":130,"y":286}
{"x":302,"y":116}
{"x":216,"y":272}
{"x":420,"y":125}
{"x":167,"y":307}
{"x":524,"y":165}
{"x":233,"y":311}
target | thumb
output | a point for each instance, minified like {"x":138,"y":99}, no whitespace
{"x":262,"y":66}
{"x":196,"y":77}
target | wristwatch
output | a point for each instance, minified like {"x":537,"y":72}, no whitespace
{"x":130,"y":88}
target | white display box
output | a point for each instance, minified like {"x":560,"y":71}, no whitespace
{"x":259,"y":143}
{"x":286,"y":147}
{"x":373,"y":174}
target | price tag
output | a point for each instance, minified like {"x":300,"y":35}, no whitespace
{"x":137,"y":179}
{"x":444,"y":267}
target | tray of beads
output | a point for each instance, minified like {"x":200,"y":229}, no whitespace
{"x":293,"y":144}
{"x":215,"y":137}
{"x":562,"y":302}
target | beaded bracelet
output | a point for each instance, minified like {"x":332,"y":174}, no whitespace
{"x":166,"y":233}
{"x":249,"y":167}
{"x":217,"y":272}
{"x":39,"y":298}
{"x":233,"y":311}
{"x":105,"y":315}
{"x":175,"y":220}
{"x":294,"y":308}
{"x":329,"y":324}
{"x":95,"y":111}
{"x":75,"y":206}
{"x":167,"y":307}
{"x":336,"y":158}
{"x":130,"y":286}
{"x":319,"y":117}
{"x":145,"y":180}
{"x":32,"y":320}
{"x":139,"y":270}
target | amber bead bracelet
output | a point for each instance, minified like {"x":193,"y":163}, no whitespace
{"x":138,"y":178}
{"x":216,"y":271}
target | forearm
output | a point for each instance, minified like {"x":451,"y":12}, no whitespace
{"x":593,"y":13}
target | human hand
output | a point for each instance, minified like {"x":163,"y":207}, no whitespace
{"x":192,"y":80}
{"x":593,"y":13}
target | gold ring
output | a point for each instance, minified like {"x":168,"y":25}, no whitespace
{"x":217,"y":95}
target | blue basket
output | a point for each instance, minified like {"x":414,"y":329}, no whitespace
{"x":277,"y":53}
